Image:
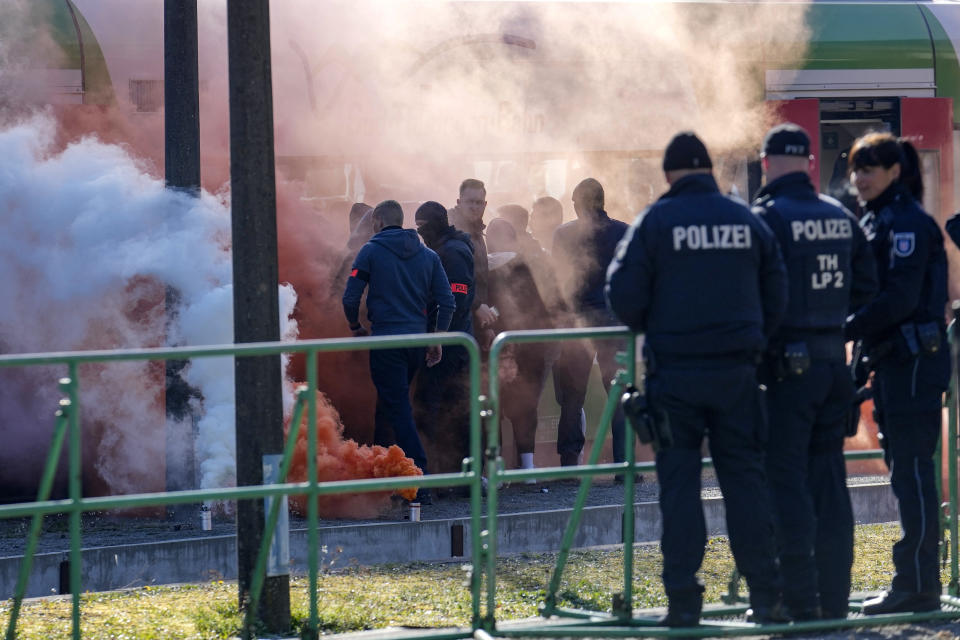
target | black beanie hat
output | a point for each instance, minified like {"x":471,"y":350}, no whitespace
{"x":432,"y":212}
{"x":686,"y":151}
{"x":786,"y":140}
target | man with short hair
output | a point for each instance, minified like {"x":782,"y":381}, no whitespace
{"x":468,"y":216}
{"x":405,"y":279}
{"x":703,"y":278}
{"x":582,"y":250}
{"x":831,"y":274}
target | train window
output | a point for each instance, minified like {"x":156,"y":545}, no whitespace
{"x":842,"y":122}
{"x":146,"y":95}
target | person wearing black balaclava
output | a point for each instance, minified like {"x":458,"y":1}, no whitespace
{"x":441,"y":400}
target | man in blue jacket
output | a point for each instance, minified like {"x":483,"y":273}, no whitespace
{"x":442,"y":397}
{"x":704,"y":278}
{"x":406,"y":279}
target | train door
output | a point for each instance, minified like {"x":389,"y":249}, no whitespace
{"x":834,"y":122}
{"x":928,"y":124}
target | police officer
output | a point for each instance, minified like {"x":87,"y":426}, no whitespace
{"x":405,"y":279}
{"x":831,"y":272}
{"x":904,"y":337}
{"x":703,"y":277}
{"x":442,"y":397}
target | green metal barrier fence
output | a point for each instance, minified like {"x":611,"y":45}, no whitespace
{"x":68,"y":423}
{"x":620,"y":621}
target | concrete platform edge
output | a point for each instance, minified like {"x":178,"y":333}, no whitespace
{"x":213,"y":558}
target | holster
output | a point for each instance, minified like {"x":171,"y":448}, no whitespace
{"x":783,"y":360}
{"x":909,"y":341}
{"x":652,"y":425}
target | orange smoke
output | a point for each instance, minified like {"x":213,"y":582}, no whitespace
{"x":340,"y":459}
{"x":311,"y":244}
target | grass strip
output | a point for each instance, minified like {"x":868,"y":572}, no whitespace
{"x":412,"y":595}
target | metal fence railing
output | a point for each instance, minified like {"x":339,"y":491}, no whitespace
{"x":620,"y":621}
{"x":68,"y":427}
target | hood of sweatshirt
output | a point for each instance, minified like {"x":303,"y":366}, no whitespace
{"x":405,"y":243}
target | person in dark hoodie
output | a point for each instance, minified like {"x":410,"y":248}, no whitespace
{"x":360,"y":234}
{"x":514,"y":293}
{"x":405,"y":280}
{"x":582,"y":250}
{"x":441,"y":399}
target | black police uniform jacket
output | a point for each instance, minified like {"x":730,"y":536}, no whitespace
{"x":830,"y":264}
{"x":912,"y":270}
{"x":699,"y":273}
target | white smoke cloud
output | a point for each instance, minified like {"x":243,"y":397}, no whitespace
{"x":90,"y":244}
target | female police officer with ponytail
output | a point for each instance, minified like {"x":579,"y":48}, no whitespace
{"x":904,"y":337}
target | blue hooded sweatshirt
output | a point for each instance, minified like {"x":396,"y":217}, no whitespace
{"x":405,"y":278}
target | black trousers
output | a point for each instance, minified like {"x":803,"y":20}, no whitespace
{"x":571,"y":374}
{"x":442,"y":410}
{"x":908,"y":397}
{"x":725,"y":403}
{"x":392,"y":371}
{"x":807,"y":475}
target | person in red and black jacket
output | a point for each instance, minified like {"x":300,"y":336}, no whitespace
{"x":441,"y":399}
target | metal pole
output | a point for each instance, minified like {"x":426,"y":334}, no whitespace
{"x":182,"y":172}
{"x":953,"y":588}
{"x":181,"y":95}
{"x":629,"y":523}
{"x":76,"y":494}
{"x":255,"y":305}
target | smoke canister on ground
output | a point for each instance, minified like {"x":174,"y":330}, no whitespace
{"x":414,"y":512}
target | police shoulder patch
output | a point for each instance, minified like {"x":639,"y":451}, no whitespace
{"x":903,"y":244}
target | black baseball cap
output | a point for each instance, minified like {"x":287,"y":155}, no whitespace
{"x":686,"y":151}
{"x":787,"y":140}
